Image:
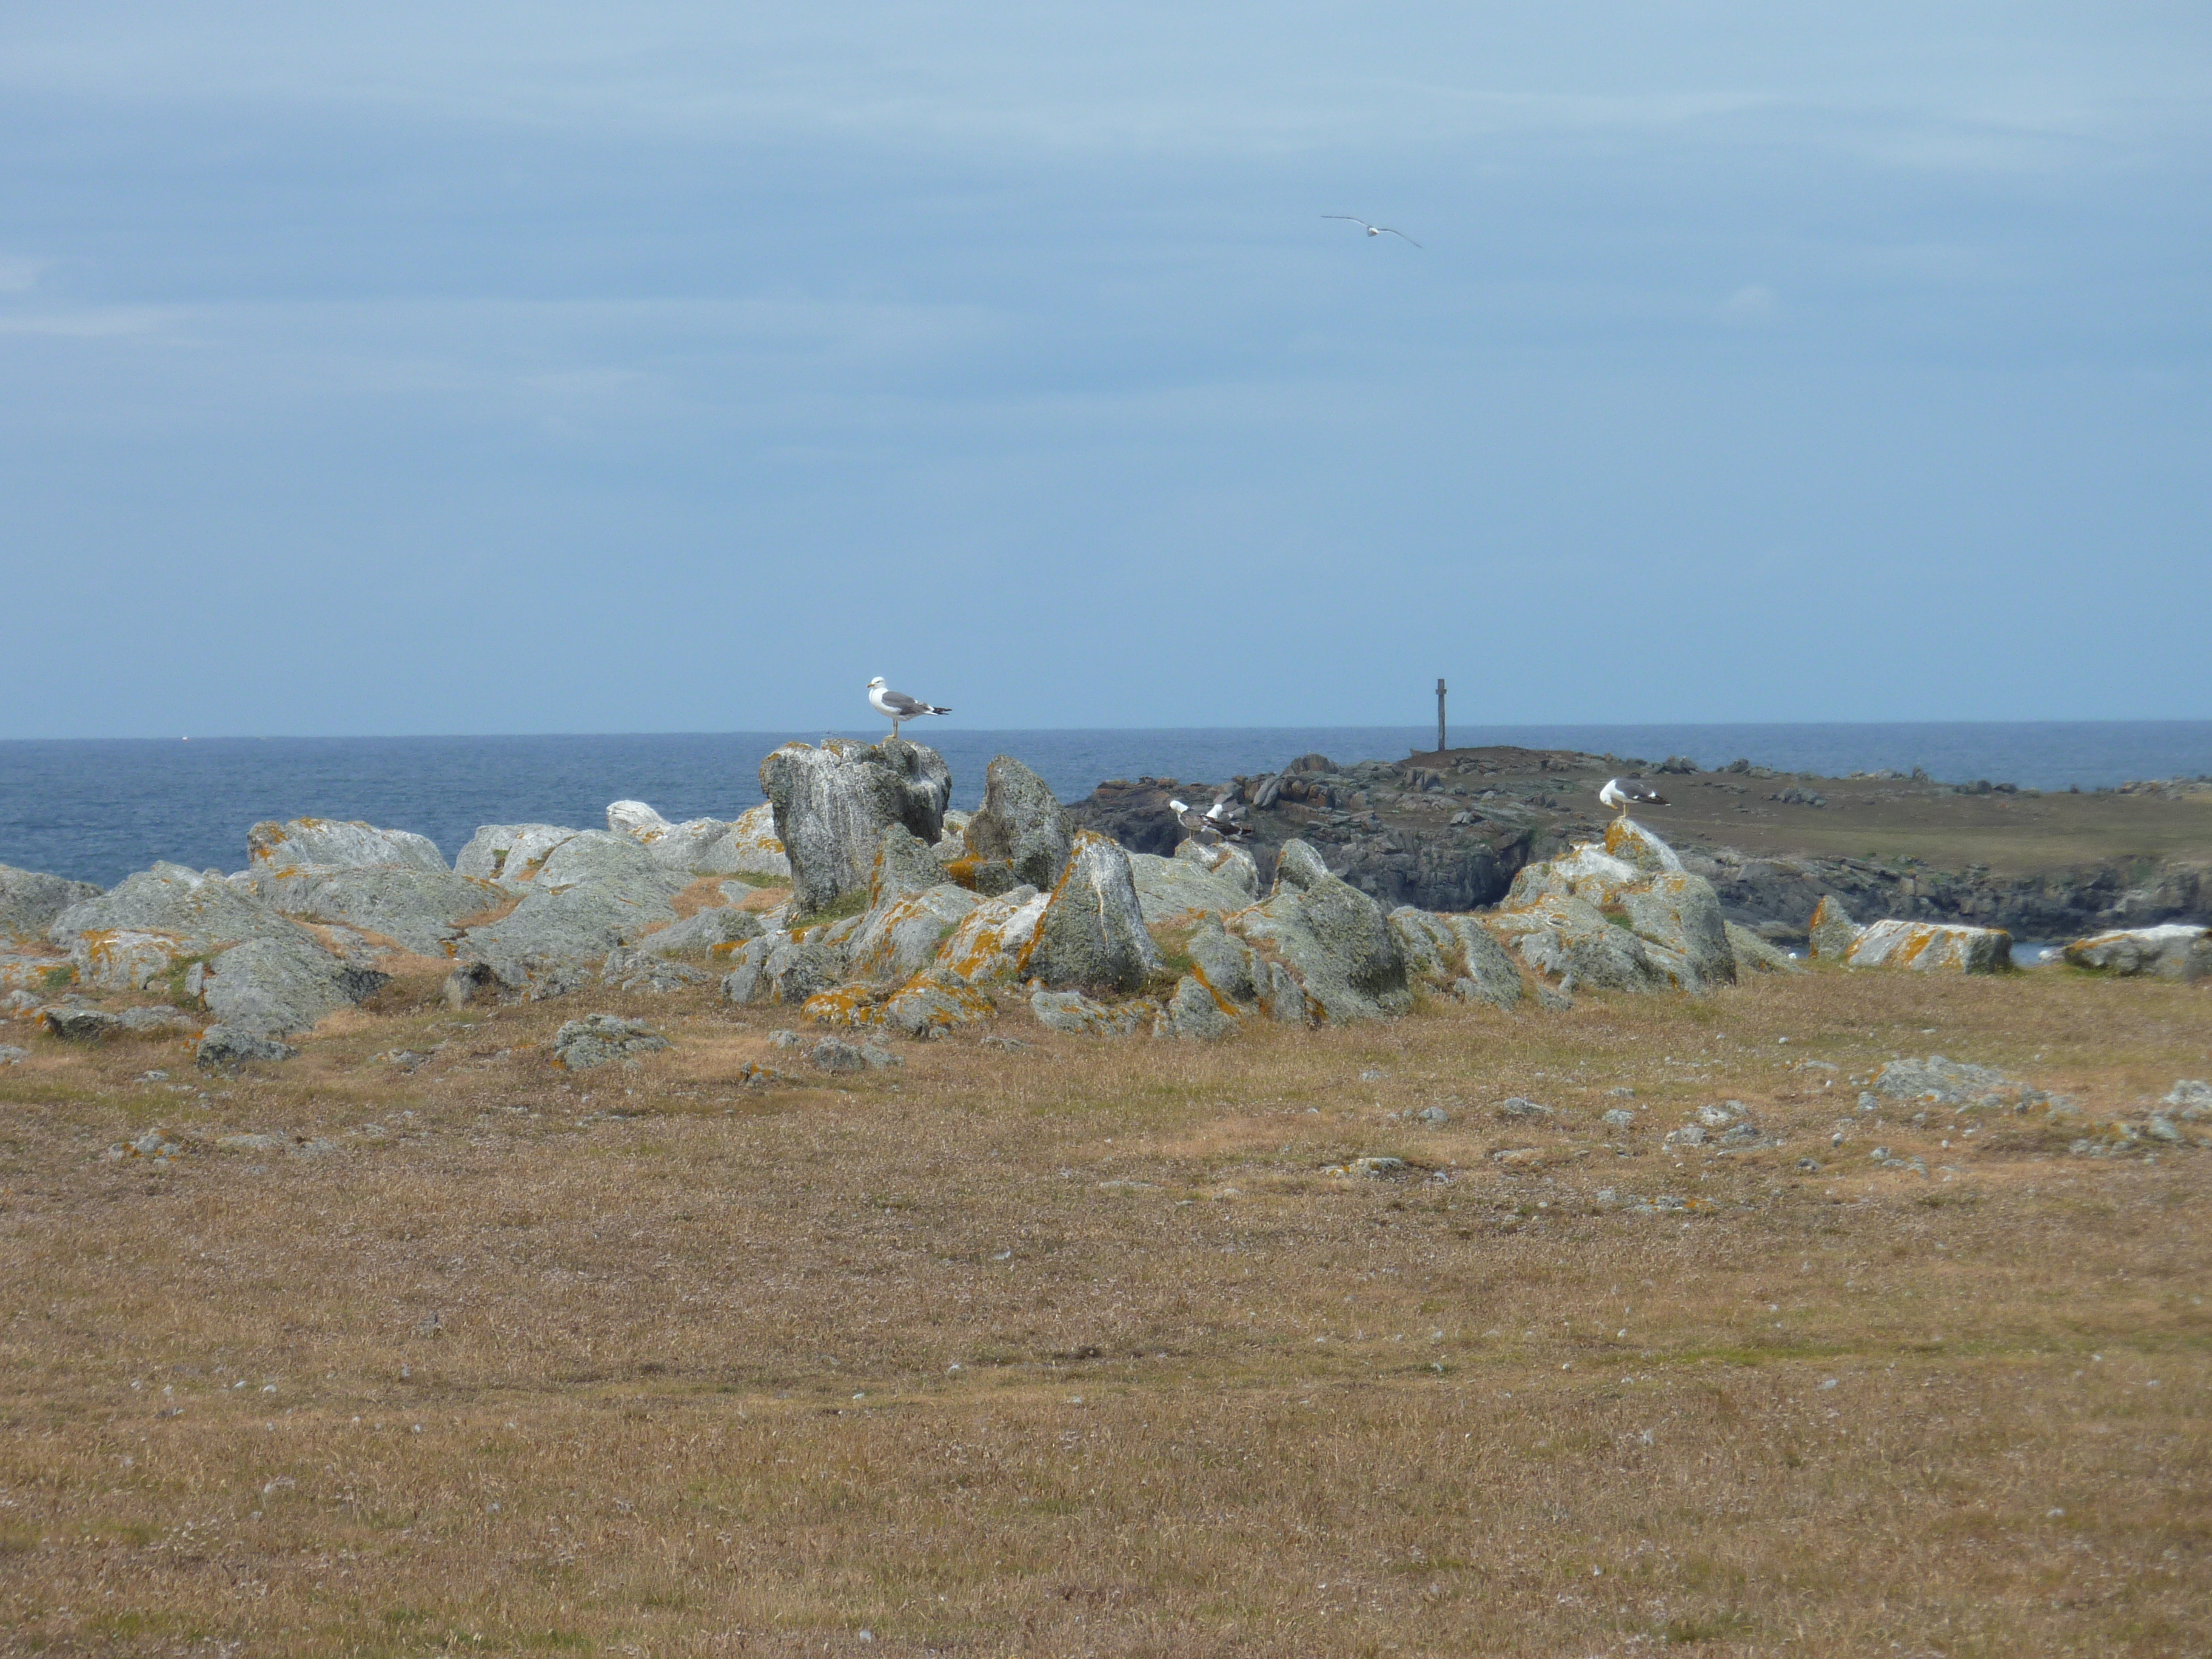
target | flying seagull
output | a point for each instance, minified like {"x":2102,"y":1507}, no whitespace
{"x":1372,"y":230}
{"x":1634,"y":792}
{"x":1213,"y":825}
{"x":898,"y":704}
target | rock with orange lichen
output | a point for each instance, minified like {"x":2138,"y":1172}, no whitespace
{"x":1332,"y":939}
{"x":510,"y":854}
{"x":2176,"y":950}
{"x":1081,"y":1016}
{"x":934,"y":1002}
{"x":898,"y":941}
{"x":744,"y":846}
{"x":1091,"y":934}
{"x":1020,"y":837}
{"x":1832,"y":933}
{"x":1930,"y":947}
{"x":332,"y":843}
{"x":985,"y":947}
{"x":832,"y":804}
{"x":1625,"y":916}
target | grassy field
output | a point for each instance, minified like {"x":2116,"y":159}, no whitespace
{"x":1082,"y":1348}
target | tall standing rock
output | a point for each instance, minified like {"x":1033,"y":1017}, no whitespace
{"x":1021,"y":835}
{"x":832,"y":805}
{"x":1092,"y":932}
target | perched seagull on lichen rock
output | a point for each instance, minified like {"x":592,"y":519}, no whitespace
{"x":1635,"y":791}
{"x":897,"y":705}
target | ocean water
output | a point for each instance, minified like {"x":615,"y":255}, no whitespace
{"x":97,"y":810}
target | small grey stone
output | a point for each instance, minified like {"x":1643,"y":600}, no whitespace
{"x":157,"y":1019}
{"x":786,"y":1039}
{"x":2161,"y":1128}
{"x":1377,"y":1168}
{"x":1810,"y":1165}
{"x":835,"y":1055}
{"x":1741,"y":1135}
{"x":73,"y":1024}
{"x":1006,"y":1044}
{"x":222,"y":1045}
{"x":1517,"y":1106}
{"x":1434,"y":1116}
{"x":11,"y":1055}
{"x":597,"y":1039}
{"x":1618,"y":1119}
{"x":1690,"y":1135}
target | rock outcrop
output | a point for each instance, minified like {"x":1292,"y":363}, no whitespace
{"x":30,"y":900}
{"x":329,"y":843}
{"x":1335,"y":941}
{"x":1091,"y":935}
{"x":260,"y":972}
{"x":2174,"y":951}
{"x":380,"y":881}
{"x":1021,"y":836}
{"x":745,"y":846}
{"x":1931,"y":948}
{"x":1196,"y":879}
{"x":831,"y":806}
{"x":1831,"y":932}
{"x":590,"y":892}
{"x":1630,"y":920}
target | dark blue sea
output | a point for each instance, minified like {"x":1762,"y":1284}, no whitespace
{"x":98,"y":809}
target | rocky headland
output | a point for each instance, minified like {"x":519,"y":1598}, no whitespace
{"x":858,"y":899}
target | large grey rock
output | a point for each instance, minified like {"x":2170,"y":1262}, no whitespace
{"x":418,"y":908}
{"x":262,"y":973}
{"x":274,"y":987}
{"x":746,"y":845}
{"x":1167,"y":888}
{"x":898,"y":940}
{"x":1929,"y":947}
{"x":644,"y":973}
{"x":1197,"y":1012}
{"x":903,"y":866}
{"x":591,"y":892}
{"x":831,"y":806}
{"x":1490,"y":976}
{"x":330,"y":843}
{"x":1092,"y":932}
{"x":2176,"y":950}
{"x":1625,"y":916}
{"x":934,"y":1002}
{"x":1833,"y":932}
{"x":1021,"y":835}
{"x":29,"y":900}
{"x":509,"y":853}
{"x":1680,"y":912}
{"x":1335,"y":941}
{"x":72,"y":1023}
{"x":987,"y":945}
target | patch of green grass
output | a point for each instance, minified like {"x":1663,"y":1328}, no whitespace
{"x":755,"y":878}
{"x":848,"y":904}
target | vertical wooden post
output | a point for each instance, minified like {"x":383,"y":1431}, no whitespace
{"x":1440,"y":716}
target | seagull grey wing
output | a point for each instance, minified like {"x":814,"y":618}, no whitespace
{"x":1350,"y":218}
{"x":1400,"y":234}
{"x":902,"y":705}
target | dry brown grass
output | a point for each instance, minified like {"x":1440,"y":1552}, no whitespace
{"x":645,"y":1362}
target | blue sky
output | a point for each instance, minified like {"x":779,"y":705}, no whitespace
{"x":549,"y":368}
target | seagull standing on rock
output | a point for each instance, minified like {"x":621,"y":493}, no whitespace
{"x":1634,"y":792}
{"x":897,"y":705}
{"x":1212,"y":826}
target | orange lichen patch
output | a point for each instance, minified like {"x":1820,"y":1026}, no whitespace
{"x":720,"y":955}
{"x":934,"y":1002}
{"x":848,"y":1005}
{"x":963,"y":871}
{"x":704,"y":894}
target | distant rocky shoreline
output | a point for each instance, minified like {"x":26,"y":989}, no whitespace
{"x":858,"y":899}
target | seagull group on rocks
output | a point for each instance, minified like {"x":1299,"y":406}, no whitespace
{"x":1212,"y":827}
